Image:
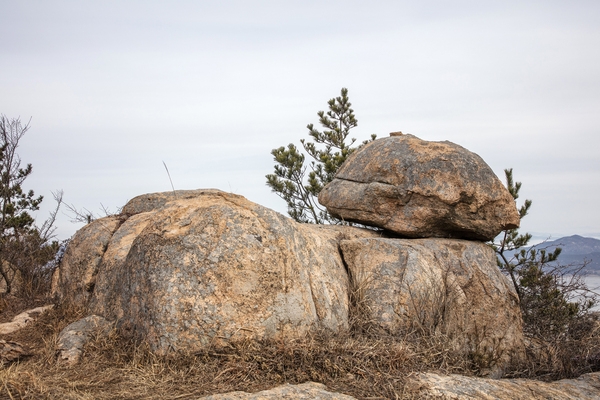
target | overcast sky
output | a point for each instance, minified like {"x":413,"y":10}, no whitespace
{"x":114,"y":88}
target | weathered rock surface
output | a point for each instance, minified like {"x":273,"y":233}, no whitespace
{"x":457,"y":387}
{"x":193,"y":268}
{"x":447,"y":286}
{"x":421,"y":189}
{"x":308,"y":391}
{"x":23,"y":319}
{"x":74,"y":281}
{"x":75,"y":335}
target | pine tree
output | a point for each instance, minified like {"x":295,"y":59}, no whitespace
{"x":328,"y":150}
{"x":22,"y":244}
{"x":512,"y":240}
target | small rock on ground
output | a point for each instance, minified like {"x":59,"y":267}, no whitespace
{"x":457,"y":387}
{"x":21,"y":320}
{"x":308,"y":390}
{"x":74,"y":336}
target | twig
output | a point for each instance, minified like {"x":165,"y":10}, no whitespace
{"x":172,"y":187}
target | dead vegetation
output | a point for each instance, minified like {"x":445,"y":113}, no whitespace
{"x":365,"y":363}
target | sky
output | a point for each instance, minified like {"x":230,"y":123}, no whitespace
{"x":113,"y":89}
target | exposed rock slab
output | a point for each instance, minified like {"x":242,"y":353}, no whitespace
{"x":447,"y":286}
{"x":308,"y":391}
{"x":189,"y":269}
{"x":457,"y":387}
{"x":23,"y":319}
{"x":421,"y":189}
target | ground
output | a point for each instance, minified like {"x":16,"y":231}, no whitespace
{"x":363,"y":363}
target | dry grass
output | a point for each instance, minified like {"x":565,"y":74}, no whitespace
{"x":365,"y":365}
{"x":575,"y":353}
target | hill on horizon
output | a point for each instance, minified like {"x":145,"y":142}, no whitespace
{"x":576,"y":250}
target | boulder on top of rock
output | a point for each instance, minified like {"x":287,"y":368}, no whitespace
{"x":421,"y":189}
{"x":190,"y":269}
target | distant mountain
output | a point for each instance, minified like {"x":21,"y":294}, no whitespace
{"x":575,"y":245}
{"x":576,"y":250}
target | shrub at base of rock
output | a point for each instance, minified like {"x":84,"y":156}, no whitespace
{"x":421,"y":189}
{"x":14,"y":276}
{"x":438,"y":286}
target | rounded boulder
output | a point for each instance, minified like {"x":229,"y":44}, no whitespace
{"x":421,"y":189}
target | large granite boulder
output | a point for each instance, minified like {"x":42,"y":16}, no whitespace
{"x":421,"y":189}
{"x":448,"y":287}
{"x":188,"y":269}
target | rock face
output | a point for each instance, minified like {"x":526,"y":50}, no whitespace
{"x":447,"y":286}
{"x":193,"y":268}
{"x":456,"y":387}
{"x":421,"y":189}
{"x":78,"y":269}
